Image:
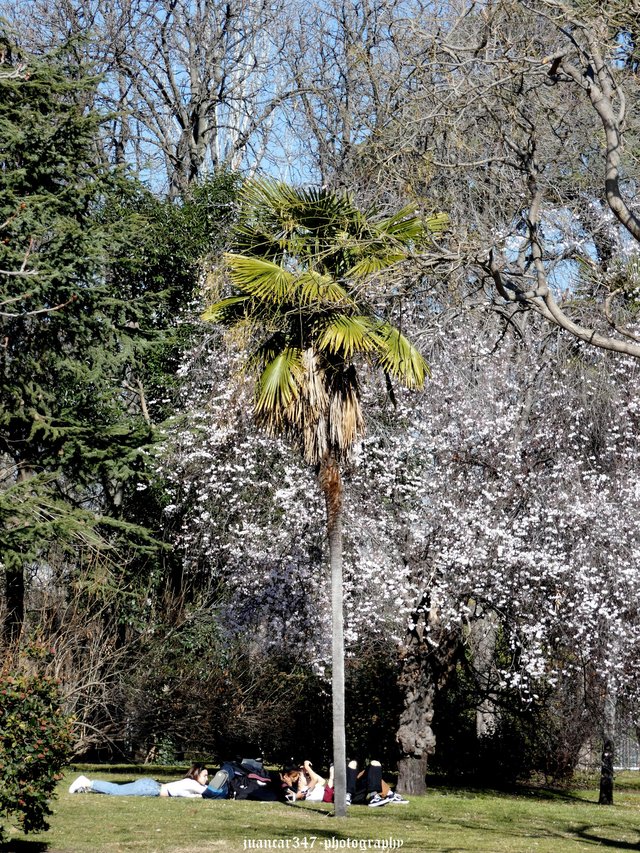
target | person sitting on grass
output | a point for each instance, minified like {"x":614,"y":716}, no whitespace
{"x":367,"y":787}
{"x":194,"y":784}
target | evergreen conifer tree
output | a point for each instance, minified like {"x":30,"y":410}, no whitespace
{"x":88,"y":297}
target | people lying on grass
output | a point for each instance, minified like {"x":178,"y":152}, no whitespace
{"x":366,"y":787}
{"x":248,"y":780}
{"x":194,"y":784}
{"x":282,"y":786}
{"x":289,"y":783}
{"x":314,"y":788}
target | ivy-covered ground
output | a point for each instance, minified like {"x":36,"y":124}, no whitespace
{"x":446,"y":819}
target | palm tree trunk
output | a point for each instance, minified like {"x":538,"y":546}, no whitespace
{"x":331,"y":485}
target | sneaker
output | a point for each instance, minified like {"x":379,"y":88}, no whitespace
{"x":377,"y":800}
{"x":347,"y":799}
{"x":396,"y":798}
{"x":81,"y":785}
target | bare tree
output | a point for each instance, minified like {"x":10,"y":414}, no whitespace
{"x":351,"y":78}
{"x":191,"y":85}
{"x":516,"y":121}
{"x":516,"y":116}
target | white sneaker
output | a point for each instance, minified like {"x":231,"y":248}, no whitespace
{"x":377,"y":800}
{"x":80,"y":786}
{"x":396,"y":798}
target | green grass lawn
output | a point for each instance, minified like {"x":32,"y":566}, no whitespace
{"x":446,"y":820}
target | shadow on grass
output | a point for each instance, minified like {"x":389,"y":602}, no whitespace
{"x":18,"y":846}
{"x":467,"y":788}
{"x":583,"y":832}
{"x":601,"y":841}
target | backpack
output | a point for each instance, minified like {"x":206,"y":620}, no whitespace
{"x":244,"y":779}
{"x":218,"y":787}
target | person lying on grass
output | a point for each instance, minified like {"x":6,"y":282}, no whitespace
{"x":315,"y":788}
{"x":194,"y":784}
{"x":364,"y":787}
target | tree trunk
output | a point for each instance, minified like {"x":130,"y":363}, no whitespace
{"x":14,"y":598}
{"x":606,"y":775}
{"x":412,"y":772}
{"x":483,"y":633}
{"x":331,"y":485}
{"x":425,"y":669}
{"x":415,"y":736}
{"x":609,"y":726}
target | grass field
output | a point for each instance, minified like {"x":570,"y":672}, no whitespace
{"x":446,"y":820}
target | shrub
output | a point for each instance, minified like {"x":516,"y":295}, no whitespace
{"x":529,"y":740}
{"x":35,"y":741}
{"x":198,"y":694}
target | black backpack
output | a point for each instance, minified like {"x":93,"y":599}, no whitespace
{"x":247,"y":779}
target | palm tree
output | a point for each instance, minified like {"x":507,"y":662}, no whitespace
{"x":298,"y":279}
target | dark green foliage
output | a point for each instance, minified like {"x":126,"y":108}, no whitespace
{"x":35,"y":741}
{"x":373,"y":704}
{"x":94,"y":272}
{"x":538,"y":738}
{"x":192,"y":692}
{"x":62,"y":425}
{"x":155,"y":267}
{"x":53,"y":328}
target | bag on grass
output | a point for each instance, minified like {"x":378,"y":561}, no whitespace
{"x":240,"y":780}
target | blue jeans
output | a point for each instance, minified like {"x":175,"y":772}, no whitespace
{"x":139,"y":788}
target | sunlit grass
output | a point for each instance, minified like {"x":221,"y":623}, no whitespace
{"x":445,"y":820}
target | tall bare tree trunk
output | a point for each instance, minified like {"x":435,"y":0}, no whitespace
{"x":331,"y":485}
{"x":483,"y":633}
{"x":14,"y":600}
{"x":609,"y":726}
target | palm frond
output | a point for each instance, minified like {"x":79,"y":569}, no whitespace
{"x":315,"y":288}
{"x":306,"y":416}
{"x":370,"y":264}
{"x":436,"y":223}
{"x":267,"y":350}
{"x":346,"y":335}
{"x":404,"y":226}
{"x":277,"y":215}
{"x":409,"y":228}
{"x":262,"y":279}
{"x":314,"y":383}
{"x":279,"y":384}
{"x":346,"y":421}
{"x":398,"y":357}
{"x":227,"y":311}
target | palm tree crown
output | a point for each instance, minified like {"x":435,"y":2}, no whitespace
{"x":297,"y":284}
